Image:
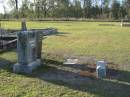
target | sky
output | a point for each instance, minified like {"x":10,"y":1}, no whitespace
{"x":5,"y":3}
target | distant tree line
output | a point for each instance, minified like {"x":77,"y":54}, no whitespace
{"x":90,"y":9}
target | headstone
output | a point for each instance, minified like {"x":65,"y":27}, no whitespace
{"x":101,"y":69}
{"x":29,"y":48}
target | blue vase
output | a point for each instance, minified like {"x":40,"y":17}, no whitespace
{"x":101,"y":69}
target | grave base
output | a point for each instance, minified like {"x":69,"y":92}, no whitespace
{"x":27,"y":69}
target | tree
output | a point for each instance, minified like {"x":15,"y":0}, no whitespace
{"x":62,"y":8}
{"x":24,"y":10}
{"x":123,"y":12}
{"x":87,"y":4}
{"x":69,"y":8}
{"x":106,"y":4}
{"x":95,"y":12}
{"x":127,"y":7}
{"x":4,"y":8}
{"x":43,"y":7}
{"x":77,"y":10}
{"x":116,"y":9}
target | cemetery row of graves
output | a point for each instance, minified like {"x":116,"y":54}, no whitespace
{"x":70,"y":53}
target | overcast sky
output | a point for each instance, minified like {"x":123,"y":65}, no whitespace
{"x":5,"y":3}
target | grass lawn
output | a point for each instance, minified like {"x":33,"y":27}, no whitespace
{"x":103,"y":40}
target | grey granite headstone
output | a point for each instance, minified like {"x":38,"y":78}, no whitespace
{"x":28,"y":46}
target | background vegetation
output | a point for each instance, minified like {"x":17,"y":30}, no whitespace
{"x":89,"y":9}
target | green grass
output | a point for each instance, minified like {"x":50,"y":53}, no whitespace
{"x":109,"y":42}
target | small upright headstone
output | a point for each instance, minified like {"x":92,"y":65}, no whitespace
{"x":121,"y":23}
{"x":101,"y":69}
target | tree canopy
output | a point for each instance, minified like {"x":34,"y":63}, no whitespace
{"x":109,"y":9}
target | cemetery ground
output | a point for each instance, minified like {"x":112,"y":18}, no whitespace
{"x":102,"y":40}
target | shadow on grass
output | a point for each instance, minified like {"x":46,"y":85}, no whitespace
{"x":6,"y":51}
{"x":59,"y":34}
{"x":56,"y":74}
{"x":112,"y":87}
{"x":102,"y":88}
{"x":107,"y":25}
{"x":6,"y":64}
{"x":116,"y":74}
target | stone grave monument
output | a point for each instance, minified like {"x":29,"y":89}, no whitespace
{"x":29,"y":47}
